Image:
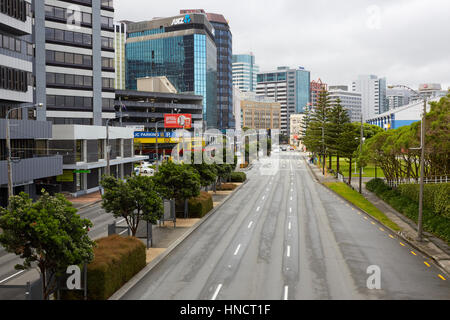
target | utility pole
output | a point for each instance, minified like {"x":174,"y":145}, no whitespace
{"x":422,"y":171}
{"x":323,"y":150}
{"x":360,"y":153}
{"x":8,"y":146}
{"x":108,"y":149}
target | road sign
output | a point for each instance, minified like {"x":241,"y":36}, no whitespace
{"x":82,"y":171}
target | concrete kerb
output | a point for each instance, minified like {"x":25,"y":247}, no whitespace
{"x":89,"y":205}
{"x":399,"y":233}
{"x":130,"y":284}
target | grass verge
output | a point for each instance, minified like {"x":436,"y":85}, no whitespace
{"x":358,"y":200}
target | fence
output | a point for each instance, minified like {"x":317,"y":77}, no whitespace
{"x":431,"y":180}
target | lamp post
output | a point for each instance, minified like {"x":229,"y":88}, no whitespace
{"x":422,"y":160}
{"x":157,"y":146}
{"x":360,"y":152}
{"x":108,"y":147}
{"x":8,"y":146}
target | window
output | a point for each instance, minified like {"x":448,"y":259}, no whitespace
{"x":50,"y":78}
{"x":70,"y":79}
{"x":68,"y":36}
{"x":18,"y":46}
{"x":59,"y":35}
{"x":78,"y":37}
{"x":69,"y":58}
{"x":59,"y":57}
{"x":78,"y":59}
{"x":59,"y":78}
{"x":30,"y":50}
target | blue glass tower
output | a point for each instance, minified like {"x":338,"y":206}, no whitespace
{"x":183,"y":49}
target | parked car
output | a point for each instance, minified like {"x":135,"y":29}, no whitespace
{"x":283,"y":148}
{"x":146,"y":169}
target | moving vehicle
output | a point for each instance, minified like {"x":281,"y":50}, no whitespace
{"x":283,"y":148}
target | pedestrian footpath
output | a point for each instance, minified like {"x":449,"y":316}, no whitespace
{"x":431,"y":246}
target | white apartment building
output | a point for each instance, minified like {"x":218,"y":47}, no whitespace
{"x":373,"y":94}
{"x":351,"y":101}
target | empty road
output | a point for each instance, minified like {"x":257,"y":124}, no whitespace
{"x":286,"y":237}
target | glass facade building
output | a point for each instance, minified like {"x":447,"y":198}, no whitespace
{"x":290,"y":87}
{"x":224,"y":43}
{"x":182,"y":49}
{"x":244,"y":72}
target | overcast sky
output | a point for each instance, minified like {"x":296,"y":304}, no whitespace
{"x":406,"y":41}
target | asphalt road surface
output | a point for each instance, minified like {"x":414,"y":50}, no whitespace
{"x":285,"y":236}
{"x":100,"y":220}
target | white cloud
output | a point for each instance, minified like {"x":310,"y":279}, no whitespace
{"x":406,"y":41}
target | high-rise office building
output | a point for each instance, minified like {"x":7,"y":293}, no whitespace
{"x":224,"y":44}
{"x":183,"y":49}
{"x":290,"y":87}
{"x":120,"y":39}
{"x":316,"y":88}
{"x":245,"y":72}
{"x":373,"y":94}
{"x":31,"y":165}
{"x":75,"y":60}
{"x":75,"y":77}
{"x":351,"y":101}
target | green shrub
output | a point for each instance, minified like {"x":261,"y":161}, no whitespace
{"x":238,"y":177}
{"x":116,"y":261}
{"x":436,"y":218}
{"x":201,"y":205}
{"x":435,"y":196}
{"x":226,"y":187}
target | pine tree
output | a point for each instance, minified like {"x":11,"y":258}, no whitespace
{"x":338,"y":117}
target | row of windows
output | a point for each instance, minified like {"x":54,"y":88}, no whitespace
{"x":108,"y":83}
{"x":107,"y":43}
{"x":107,"y":22}
{"x":68,"y":36}
{"x":68,"y":15}
{"x":18,"y":9}
{"x":107,"y":63}
{"x":80,"y":121}
{"x":14,"y":79}
{"x":13,"y":44}
{"x":69,"y":80}
{"x":69,"y":102}
{"x":68,"y":58}
{"x":108,"y":3}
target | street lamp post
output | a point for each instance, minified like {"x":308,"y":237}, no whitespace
{"x":8,"y":146}
{"x":360,"y":152}
{"x":157,"y":146}
{"x":422,"y":160}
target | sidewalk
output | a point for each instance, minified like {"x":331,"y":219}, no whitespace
{"x":85,"y":200}
{"x":164,"y":236}
{"x":434,"y":247}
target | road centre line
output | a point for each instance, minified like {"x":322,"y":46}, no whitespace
{"x":427,"y":264}
{"x":10,"y":277}
{"x":289,"y":226}
{"x":237,"y":250}
{"x":250,"y":224}
{"x":288,"y":251}
{"x":286,"y":291}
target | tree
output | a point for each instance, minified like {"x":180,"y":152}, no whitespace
{"x":207,"y":173}
{"x":338,"y":117}
{"x":178,"y":181}
{"x":135,"y":200}
{"x":48,"y":232}
{"x":223,"y":172}
{"x":318,"y":128}
{"x":348,"y":143}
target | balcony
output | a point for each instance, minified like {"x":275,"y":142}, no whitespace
{"x":27,"y":170}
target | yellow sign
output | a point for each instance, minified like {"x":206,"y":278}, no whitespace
{"x":67,"y":176}
{"x":153,"y":140}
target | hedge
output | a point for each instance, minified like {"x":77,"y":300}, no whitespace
{"x":435,"y":196}
{"x":116,"y":261}
{"x":201,"y":205}
{"x":437,"y":224}
{"x":226,"y":187}
{"x":238,"y":177}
